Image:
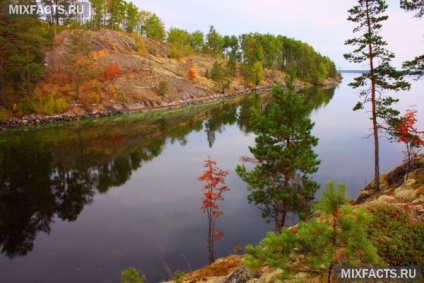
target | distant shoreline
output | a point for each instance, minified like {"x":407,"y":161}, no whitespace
{"x":354,"y":71}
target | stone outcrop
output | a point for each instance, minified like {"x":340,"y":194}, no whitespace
{"x":402,"y":187}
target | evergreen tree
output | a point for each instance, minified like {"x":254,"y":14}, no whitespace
{"x":219,"y":75}
{"x":370,"y":48}
{"x":22,"y":43}
{"x":416,"y":65}
{"x":283,"y":155}
{"x":232,"y":66}
{"x":336,"y":237}
{"x":413,"y":5}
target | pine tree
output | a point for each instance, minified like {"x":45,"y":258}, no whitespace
{"x":370,"y":48}
{"x":337,"y":236}
{"x":22,"y":43}
{"x":284,"y":158}
{"x":416,"y":65}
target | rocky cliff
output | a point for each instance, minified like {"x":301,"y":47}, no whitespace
{"x":100,"y":69}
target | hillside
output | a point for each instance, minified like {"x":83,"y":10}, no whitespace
{"x":120,"y":70}
{"x":108,"y":71}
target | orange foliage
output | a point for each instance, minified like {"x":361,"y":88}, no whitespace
{"x":409,"y":135}
{"x":214,"y":178}
{"x":98,"y":54}
{"x":90,"y":98}
{"x":192,"y":73}
{"x":112,"y":71}
{"x":111,"y":89}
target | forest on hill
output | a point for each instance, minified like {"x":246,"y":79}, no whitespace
{"x":233,"y":60}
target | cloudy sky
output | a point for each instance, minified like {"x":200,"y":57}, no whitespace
{"x":321,"y":23}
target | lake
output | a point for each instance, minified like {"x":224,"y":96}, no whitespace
{"x":80,"y":202}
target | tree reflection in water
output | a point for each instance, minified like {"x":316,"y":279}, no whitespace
{"x":56,"y":171}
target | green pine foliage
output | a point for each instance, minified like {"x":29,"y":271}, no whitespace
{"x":370,"y":48}
{"x":130,"y":275}
{"x":337,"y":236}
{"x":22,"y":41}
{"x":283,"y":157}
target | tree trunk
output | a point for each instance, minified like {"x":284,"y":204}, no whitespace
{"x":373,"y":99}
{"x":211,"y":254}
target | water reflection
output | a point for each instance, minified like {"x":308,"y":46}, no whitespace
{"x":56,"y":171}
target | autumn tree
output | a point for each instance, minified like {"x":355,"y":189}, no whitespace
{"x":283,"y":157}
{"x":381,"y":76}
{"x":404,"y":131}
{"x":337,"y":236}
{"x":112,"y":71}
{"x":192,"y":73}
{"x":215,"y":186}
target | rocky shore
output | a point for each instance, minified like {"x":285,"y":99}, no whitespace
{"x":402,"y":187}
{"x":31,"y":120}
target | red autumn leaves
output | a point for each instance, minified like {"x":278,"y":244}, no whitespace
{"x":406,"y":132}
{"x":213,"y":189}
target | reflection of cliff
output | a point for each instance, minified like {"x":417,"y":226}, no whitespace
{"x":57,"y":171}
{"x":32,"y":192}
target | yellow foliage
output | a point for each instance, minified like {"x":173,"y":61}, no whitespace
{"x":140,"y":43}
{"x":98,"y":54}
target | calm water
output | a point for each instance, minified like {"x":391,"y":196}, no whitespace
{"x":83,"y":201}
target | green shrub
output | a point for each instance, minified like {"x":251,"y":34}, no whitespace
{"x":50,"y":105}
{"x":174,"y":53}
{"x":130,"y":275}
{"x":162,"y":88}
{"x":26,"y":105}
{"x":399,"y":240}
{"x":178,"y":276}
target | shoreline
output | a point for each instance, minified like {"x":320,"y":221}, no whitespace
{"x":122,"y":109}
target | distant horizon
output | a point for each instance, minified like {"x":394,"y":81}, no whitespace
{"x":353,"y":71}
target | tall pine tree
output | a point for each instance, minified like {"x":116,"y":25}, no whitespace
{"x":371,"y":49}
{"x":284,"y":158}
